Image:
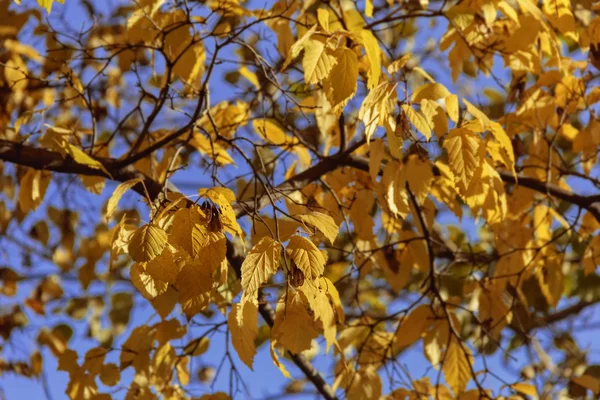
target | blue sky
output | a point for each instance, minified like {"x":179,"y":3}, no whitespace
{"x":266,"y":380}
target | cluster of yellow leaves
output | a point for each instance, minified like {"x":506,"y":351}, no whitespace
{"x":331,"y":55}
{"x":178,"y":257}
{"x":300,"y":316}
{"x":170,"y":31}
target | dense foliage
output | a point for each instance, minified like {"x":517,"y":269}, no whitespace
{"x":359,"y":183}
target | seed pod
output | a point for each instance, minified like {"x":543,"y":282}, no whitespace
{"x":296,"y":276}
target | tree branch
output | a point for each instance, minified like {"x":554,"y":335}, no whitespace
{"x":43,"y":159}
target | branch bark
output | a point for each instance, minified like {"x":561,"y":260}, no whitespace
{"x":43,"y":159}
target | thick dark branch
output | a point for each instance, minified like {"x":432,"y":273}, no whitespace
{"x":47,"y":160}
{"x":51,"y":161}
{"x":585,"y":202}
{"x":563,"y":314}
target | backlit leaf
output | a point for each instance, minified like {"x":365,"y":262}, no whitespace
{"x":307,"y":257}
{"x":147,"y":243}
{"x":243,"y":326}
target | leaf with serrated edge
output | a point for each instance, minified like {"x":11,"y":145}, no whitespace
{"x":462,"y":146}
{"x":457,"y":366}
{"x":113,"y":201}
{"x":307,"y":257}
{"x":323,"y":223}
{"x":243,"y":327}
{"x":317,"y":61}
{"x":261,"y":262}
{"x":147,"y":243}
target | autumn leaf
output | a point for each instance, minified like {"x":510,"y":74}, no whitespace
{"x":457,"y":366}
{"x":413,"y":326}
{"x":462,"y":146}
{"x":342,"y":80}
{"x":317,"y":61}
{"x":307,"y":257}
{"x":33,"y":189}
{"x":110,"y":375}
{"x":261,"y":262}
{"x":243,"y":325}
{"x":147,"y":243}
{"x":120,"y":190}
{"x":323,"y":223}
{"x":430,"y":91}
{"x":293,"y":326}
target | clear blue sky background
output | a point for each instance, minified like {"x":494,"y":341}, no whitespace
{"x":266,"y":380}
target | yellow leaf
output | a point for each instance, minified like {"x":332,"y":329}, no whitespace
{"x":147,"y":243}
{"x":197,"y":346}
{"x":430,"y":91}
{"x":323,"y":223}
{"x":376,"y":154}
{"x":293,"y":326}
{"x":369,"y":8}
{"x":278,"y":364}
{"x":213,"y":254}
{"x":95,"y":184}
{"x":189,"y":230}
{"x":47,"y":4}
{"x":508,"y":154}
{"x":323,"y":18}
{"x":271,"y":132}
{"x":113,"y":201}
{"x":298,"y":46}
{"x":457,"y":366}
{"x":265,"y":226}
{"x":589,"y":382}
{"x":261,"y":262}
{"x":483,"y":119}
{"x":224,"y":197}
{"x":165,"y":267}
{"x":33,"y":189}
{"x":243,"y":327}
{"x":57,"y":139}
{"x":210,"y":193}
{"x":194,"y":284}
{"x":419,"y":176}
{"x":435,"y":117}
{"x":365,"y":385}
{"x":376,"y":107}
{"x":317,"y":62}
{"x":183,"y":373}
{"x":212,"y":149}
{"x":424,"y":74}
{"x":373,"y":55}
{"x":250,"y":76}
{"x":399,"y":63}
{"x":110,"y":375}
{"x":148,"y":286}
{"x":190,"y":64}
{"x":414,"y":326}
{"x":462,"y":146}
{"x":83,"y":158}
{"x":322,"y":309}
{"x":342,"y":80}
{"x":417,"y":120}
{"x":165,"y":302}
{"x":452,"y":107}
{"x":307,"y":257}
{"x":525,"y":388}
